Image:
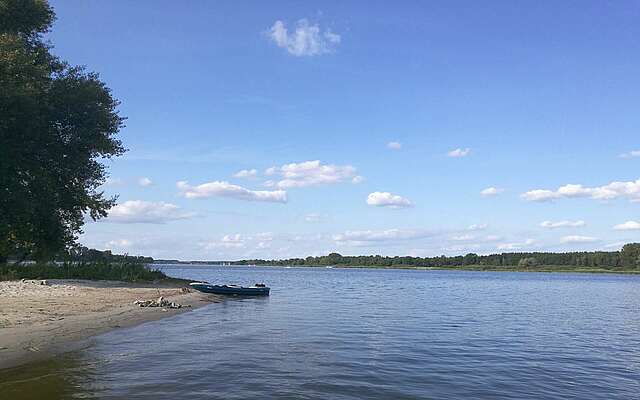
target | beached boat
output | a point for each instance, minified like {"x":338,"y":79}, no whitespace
{"x":259,"y":289}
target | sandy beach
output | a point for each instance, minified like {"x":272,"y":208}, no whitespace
{"x":40,"y":320}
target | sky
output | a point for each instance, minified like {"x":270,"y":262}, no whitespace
{"x":288,"y":129}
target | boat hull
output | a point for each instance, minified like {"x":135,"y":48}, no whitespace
{"x":231,"y":290}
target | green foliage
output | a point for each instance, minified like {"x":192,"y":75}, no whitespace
{"x":58,"y":123}
{"x":528,"y":262}
{"x":627,"y":259}
{"x":470,"y":259}
{"x":25,"y":17}
{"x":630,"y":254}
{"x":85,"y":254}
{"x":127,"y":272}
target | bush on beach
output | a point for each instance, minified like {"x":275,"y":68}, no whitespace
{"x":128,"y":272}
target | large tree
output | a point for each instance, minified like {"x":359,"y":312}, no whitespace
{"x":58,"y":123}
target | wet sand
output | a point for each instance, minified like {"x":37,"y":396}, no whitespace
{"x":39,"y":321}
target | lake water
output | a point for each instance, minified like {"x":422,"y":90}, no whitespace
{"x":368,"y":334}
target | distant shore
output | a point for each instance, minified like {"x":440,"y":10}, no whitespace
{"x":626,"y":260}
{"x":38,"y":321}
{"x":545,"y":268}
{"x":486,"y":268}
{"x":490,"y":268}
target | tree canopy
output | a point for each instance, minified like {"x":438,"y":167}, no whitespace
{"x":59,"y":123}
{"x":627,"y":258}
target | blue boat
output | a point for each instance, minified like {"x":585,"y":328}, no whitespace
{"x":259,"y":289}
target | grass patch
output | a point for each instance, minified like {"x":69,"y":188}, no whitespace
{"x":127,"y":272}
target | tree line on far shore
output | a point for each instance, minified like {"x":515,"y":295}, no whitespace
{"x":627,"y":258}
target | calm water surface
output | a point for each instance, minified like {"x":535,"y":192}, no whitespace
{"x":368,"y":334}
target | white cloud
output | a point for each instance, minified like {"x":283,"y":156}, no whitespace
{"x":517,"y":245}
{"x":628,"y":226}
{"x":246,"y":173}
{"x":468,"y":241}
{"x":562,"y":224}
{"x":463,"y":238}
{"x":312,"y":173}
{"x":394,"y":145}
{"x":232,"y":241}
{"x":386,"y":199}
{"x":235,"y":238}
{"x":144,"y":181}
{"x":613,"y":190}
{"x":367,"y":236}
{"x":139,"y":211}
{"x":631,"y":154}
{"x":491,"y":191}
{"x":307,"y":39}
{"x":118,"y":243}
{"x":577,"y":239}
{"x":270,"y":171}
{"x":314,"y":217}
{"x":113,"y":181}
{"x":538,"y":195}
{"x":263,"y":245}
{"x":225,"y":189}
{"x":492,"y":238}
{"x":477,"y":227}
{"x":459,"y":152}
{"x":240,"y":241}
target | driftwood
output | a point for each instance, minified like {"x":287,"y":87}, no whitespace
{"x":161,"y":302}
{"x":35,"y":281}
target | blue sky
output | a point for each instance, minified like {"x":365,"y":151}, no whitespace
{"x":371,"y":130}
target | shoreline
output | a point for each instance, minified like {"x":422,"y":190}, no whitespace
{"x":476,"y":268}
{"x":38,"y":321}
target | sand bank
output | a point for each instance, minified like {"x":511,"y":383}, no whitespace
{"x":38,"y":321}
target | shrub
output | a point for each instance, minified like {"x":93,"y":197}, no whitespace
{"x":94,"y":271}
